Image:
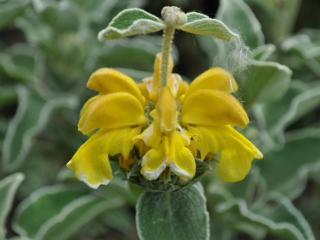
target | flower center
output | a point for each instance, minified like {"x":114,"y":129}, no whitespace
{"x":166,"y":108}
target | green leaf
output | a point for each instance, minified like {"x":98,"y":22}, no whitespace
{"x":180,"y":215}
{"x":264,"y":52}
{"x":281,"y":219}
{"x":7,"y":95}
{"x":8,"y":188}
{"x":298,"y":158}
{"x":203,"y":25}
{"x":31,"y":118}
{"x":58,"y":212}
{"x":10,"y":10}
{"x":21,"y":62}
{"x":237,"y":15}
{"x":299,"y":101}
{"x":302,"y":51}
{"x":131,"y":22}
{"x":264,"y":82}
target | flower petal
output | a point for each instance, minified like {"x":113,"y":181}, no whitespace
{"x":91,"y":164}
{"x":181,"y":160}
{"x":154,"y":85}
{"x":151,"y":136}
{"x":167,"y":110}
{"x":108,"y":80}
{"x":212,"y":108}
{"x":115,"y":110}
{"x":153,"y":163}
{"x":236,"y":151}
{"x":213,"y":79}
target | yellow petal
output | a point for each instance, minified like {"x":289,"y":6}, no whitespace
{"x":115,"y":110}
{"x":120,"y":141}
{"x":183,"y":88}
{"x":108,"y":80}
{"x":153,"y":163}
{"x":236,"y":151}
{"x":204,"y":141}
{"x":180,"y":159}
{"x":90,"y":163}
{"x":214,"y":79}
{"x":151,"y":136}
{"x":167,"y":110}
{"x":212,"y":108}
{"x":156,"y":78}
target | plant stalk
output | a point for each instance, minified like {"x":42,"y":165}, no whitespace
{"x":168,"y":34}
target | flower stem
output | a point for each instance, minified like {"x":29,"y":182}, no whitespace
{"x":168,"y":34}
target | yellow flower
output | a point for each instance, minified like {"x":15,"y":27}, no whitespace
{"x":118,"y":114}
{"x":184,"y":123}
{"x":196,"y":121}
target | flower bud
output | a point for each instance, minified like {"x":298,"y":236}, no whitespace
{"x":173,"y":16}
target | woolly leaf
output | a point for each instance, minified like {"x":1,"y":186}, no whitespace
{"x":131,"y":22}
{"x":238,"y":16}
{"x":264,"y":82}
{"x":8,"y":188}
{"x":57,"y":212}
{"x":179,"y":215}
{"x":203,"y":25}
{"x":31,"y":117}
{"x":9,"y":10}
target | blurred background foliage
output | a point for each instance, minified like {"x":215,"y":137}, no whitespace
{"x":48,"y":50}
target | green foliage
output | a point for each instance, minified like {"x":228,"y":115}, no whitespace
{"x":238,"y":16}
{"x":9,"y":10}
{"x":203,"y":25}
{"x":163,"y":216}
{"x":31,"y":117}
{"x":131,"y":22}
{"x":49,"y":49}
{"x":264,"y":82}
{"x":8,"y":188}
{"x":67,"y":211}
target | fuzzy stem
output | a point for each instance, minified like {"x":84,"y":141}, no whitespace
{"x":168,"y":34}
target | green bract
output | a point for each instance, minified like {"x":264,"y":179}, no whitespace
{"x":136,"y":21}
{"x":131,"y":22}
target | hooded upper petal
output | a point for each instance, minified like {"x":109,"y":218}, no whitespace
{"x":115,"y":110}
{"x":213,"y":79}
{"x":108,"y":80}
{"x":236,"y":151}
{"x":211,"y":108}
{"x":167,"y":110}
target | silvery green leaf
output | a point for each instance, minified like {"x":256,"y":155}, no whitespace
{"x":57,"y":212}
{"x":233,"y":56}
{"x":22,"y":63}
{"x":9,"y":10}
{"x":281,"y":220}
{"x":299,"y":156}
{"x":299,"y":101}
{"x":8,"y":188}
{"x":237,"y":15}
{"x":203,"y":25}
{"x":31,"y":117}
{"x":130,"y":22}
{"x":7,"y":95}
{"x":179,"y":215}
{"x":302,"y":51}
{"x":264,"y":82}
{"x":264,"y":52}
